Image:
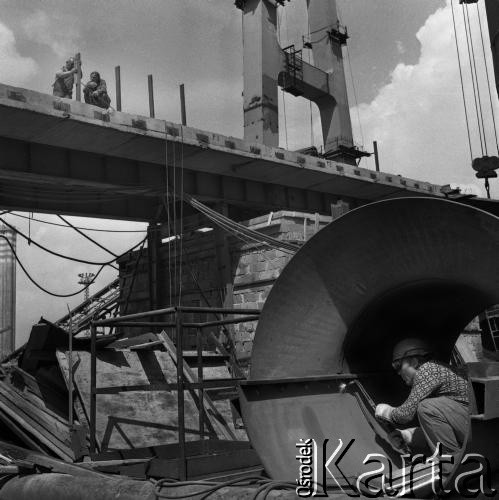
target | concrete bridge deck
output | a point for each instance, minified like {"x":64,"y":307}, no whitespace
{"x":64,"y":156}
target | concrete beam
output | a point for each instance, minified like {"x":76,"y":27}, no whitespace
{"x":56,"y":152}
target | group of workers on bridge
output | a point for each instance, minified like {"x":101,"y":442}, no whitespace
{"x":94,"y":92}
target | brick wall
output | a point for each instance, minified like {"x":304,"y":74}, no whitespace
{"x":253,"y":267}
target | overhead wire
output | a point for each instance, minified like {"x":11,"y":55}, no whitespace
{"x":476,"y":79}
{"x":96,"y":243}
{"x":181,"y":242}
{"x":42,"y":288}
{"x":461,"y":79}
{"x":67,"y":257}
{"x":78,"y":227}
{"x":471,"y":58}
{"x":175,"y":236}
{"x":309,"y":101}
{"x":279,"y":26}
{"x":239,"y":229}
{"x":488,"y":78}
{"x":167,"y":208}
{"x":354,"y":87}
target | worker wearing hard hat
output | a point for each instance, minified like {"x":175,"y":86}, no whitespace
{"x":439,"y":397}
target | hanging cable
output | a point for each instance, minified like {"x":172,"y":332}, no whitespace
{"x":488,"y":78}
{"x":279,"y":26}
{"x":471,"y":60}
{"x":78,"y":227}
{"x":355,"y":94}
{"x":285,"y":121}
{"x":175,"y":236}
{"x":309,"y":101}
{"x":96,"y":243}
{"x":476,"y":79}
{"x":239,"y":229}
{"x":181,"y":243}
{"x":167,"y":208}
{"x":67,"y":257}
{"x":43,"y":289}
{"x":461,"y":78}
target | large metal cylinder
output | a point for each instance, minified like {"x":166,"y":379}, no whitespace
{"x":401,"y":267}
{"x":7,"y":291}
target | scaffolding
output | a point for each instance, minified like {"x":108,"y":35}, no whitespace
{"x":176,"y":321}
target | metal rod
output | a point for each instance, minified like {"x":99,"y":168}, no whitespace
{"x":180,"y":397}
{"x":222,"y":322}
{"x":218,"y":310}
{"x":117,"y":74}
{"x":199,"y":345}
{"x":78,"y":76}
{"x":171,"y":310}
{"x":93,"y":386}
{"x":182,"y":104}
{"x":376,"y":156}
{"x":145,"y":314}
{"x":151,"y":324}
{"x":313,"y":378}
{"x":70,"y":374}
{"x":150,"y":89}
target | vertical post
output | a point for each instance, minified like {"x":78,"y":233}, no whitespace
{"x":180,"y":395}
{"x":152,"y":263}
{"x":78,"y":76}
{"x":151,"y":95}
{"x":182,"y":104}
{"x":70,"y":375}
{"x":376,"y":157}
{"x":93,"y":388}
{"x":199,"y":344}
{"x":117,"y":75}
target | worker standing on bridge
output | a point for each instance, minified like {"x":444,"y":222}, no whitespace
{"x":64,"y":79}
{"x":439,"y":397}
{"x":95,"y":91}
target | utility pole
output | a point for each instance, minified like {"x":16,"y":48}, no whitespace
{"x":86,"y":279}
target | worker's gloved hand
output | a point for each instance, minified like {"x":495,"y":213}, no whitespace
{"x":397,"y":440}
{"x":384,"y":412}
{"x":401,"y":439}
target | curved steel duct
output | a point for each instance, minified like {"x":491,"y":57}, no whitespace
{"x":416,"y":266}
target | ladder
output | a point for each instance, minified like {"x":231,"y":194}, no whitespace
{"x":489,"y":323}
{"x":100,"y":304}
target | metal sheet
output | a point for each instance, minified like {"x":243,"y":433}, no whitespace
{"x":370,"y":277}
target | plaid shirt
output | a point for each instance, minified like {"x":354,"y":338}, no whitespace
{"x":432,"y":379}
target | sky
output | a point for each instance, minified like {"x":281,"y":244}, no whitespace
{"x":406,"y":94}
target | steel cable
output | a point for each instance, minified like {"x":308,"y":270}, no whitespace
{"x":462,"y":84}
{"x":488,"y":78}
{"x":471,"y":59}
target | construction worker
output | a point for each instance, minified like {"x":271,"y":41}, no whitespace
{"x":95,"y":91}
{"x":439,"y":397}
{"x":64,"y":79}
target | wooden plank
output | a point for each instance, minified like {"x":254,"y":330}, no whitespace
{"x":216,"y":419}
{"x":37,"y":392}
{"x":36,"y":430}
{"x":17,"y":453}
{"x":133,"y":419}
{"x":43,"y":415}
{"x":19,"y":432}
